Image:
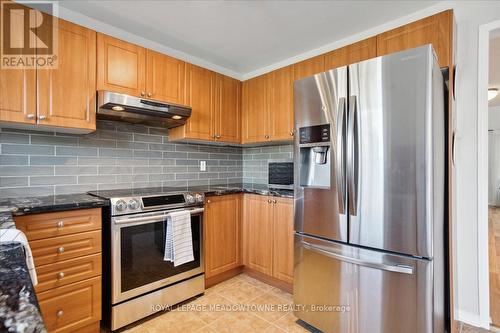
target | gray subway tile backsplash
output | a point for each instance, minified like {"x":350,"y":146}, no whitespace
{"x":120,"y":155}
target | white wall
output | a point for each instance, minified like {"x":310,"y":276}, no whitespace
{"x":494,"y":118}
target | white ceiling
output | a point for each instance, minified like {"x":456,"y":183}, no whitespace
{"x":244,"y":36}
{"x":494,"y":66}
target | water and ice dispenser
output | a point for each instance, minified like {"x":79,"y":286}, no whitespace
{"x":315,"y":156}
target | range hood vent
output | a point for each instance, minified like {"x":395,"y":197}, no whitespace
{"x":115,"y":106}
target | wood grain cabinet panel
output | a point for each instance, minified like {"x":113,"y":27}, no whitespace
{"x":435,"y":30}
{"x":68,"y":308}
{"x":165,"y":78}
{"x":281,"y":104}
{"x":283,"y":239}
{"x":350,"y":54}
{"x":201,"y":86}
{"x":222,"y":234}
{"x":68,"y":271}
{"x":66,"y":94}
{"x":309,"y":67}
{"x":259,"y":233}
{"x":255,"y":108}
{"x":121,"y":66}
{"x":40,"y":226}
{"x":56,"y":249}
{"x":227,"y":109}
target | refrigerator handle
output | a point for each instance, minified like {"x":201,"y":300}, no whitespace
{"x":404,"y":269}
{"x":341,"y":183}
{"x":353,"y":162}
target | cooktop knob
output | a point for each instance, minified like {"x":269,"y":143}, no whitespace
{"x":199,"y":198}
{"x":133,"y":204}
{"x":190,"y":199}
{"x":121,"y":205}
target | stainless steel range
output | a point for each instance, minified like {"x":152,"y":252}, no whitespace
{"x":137,"y":281}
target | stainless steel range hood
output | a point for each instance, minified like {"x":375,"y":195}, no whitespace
{"x":115,"y":106}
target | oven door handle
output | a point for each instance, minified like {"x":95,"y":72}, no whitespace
{"x":150,"y":218}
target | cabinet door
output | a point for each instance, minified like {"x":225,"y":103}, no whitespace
{"x":283,"y":239}
{"x":256,"y":98}
{"x":350,"y":54}
{"x":259,"y":233}
{"x":281,"y":110}
{"x":17,"y":90}
{"x":309,"y":67}
{"x":66,"y":94}
{"x":165,"y":78}
{"x":121,"y":66}
{"x":435,"y":29}
{"x":228,"y":109}
{"x":222,"y":234}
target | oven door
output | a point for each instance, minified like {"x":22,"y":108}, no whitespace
{"x":138,"y":248}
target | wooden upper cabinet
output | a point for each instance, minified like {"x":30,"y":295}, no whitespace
{"x":121,"y":66}
{"x":309,"y":67}
{"x":350,"y":54}
{"x":200,"y":84}
{"x":436,"y":30}
{"x":281,"y":104}
{"x":227,"y":109}
{"x":255,"y":108}
{"x":165,"y":78}
{"x":283,"y":239}
{"x":259,"y":233}
{"x":222,"y":236}
{"x":66,"y":94}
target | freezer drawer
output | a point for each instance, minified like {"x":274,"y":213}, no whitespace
{"x":344,"y":289}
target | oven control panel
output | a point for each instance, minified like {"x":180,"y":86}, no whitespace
{"x":131,"y":205}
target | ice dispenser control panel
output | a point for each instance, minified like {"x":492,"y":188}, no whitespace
{"x":313,"y":134}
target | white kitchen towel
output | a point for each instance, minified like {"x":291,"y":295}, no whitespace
{"x":178,"y":238}
{"x":17,"y":236}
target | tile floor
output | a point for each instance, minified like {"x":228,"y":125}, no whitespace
{"x":196,"y":315}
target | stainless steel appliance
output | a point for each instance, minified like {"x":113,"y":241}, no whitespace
{"x":116,"y":106}
{"x":280,"y":174}
{"x":369,"y":196}
{"x":136,"y":280}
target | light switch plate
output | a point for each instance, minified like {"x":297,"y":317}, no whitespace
{"x":203,"y":165}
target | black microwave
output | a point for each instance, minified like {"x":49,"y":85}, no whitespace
{"x":280,"y":174}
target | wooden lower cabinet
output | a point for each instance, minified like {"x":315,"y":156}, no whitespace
{"x":66,"y":249}
{"x":222,"y":234}
{"x":268,"y":235}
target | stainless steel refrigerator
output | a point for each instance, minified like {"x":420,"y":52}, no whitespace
{"x":369,"y":196}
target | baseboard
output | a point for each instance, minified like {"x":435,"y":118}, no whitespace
{"x":471,"y":319}
{"x":285,"y":286}
{"x":213,"y":280}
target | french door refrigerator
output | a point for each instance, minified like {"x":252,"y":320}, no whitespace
{"x":369,"y":196}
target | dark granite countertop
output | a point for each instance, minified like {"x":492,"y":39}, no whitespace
{"x":51,"y":203}
{"x":19,"y":310}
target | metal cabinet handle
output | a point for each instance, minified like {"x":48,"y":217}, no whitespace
{"x":60,"y":249}
{"x":60,"y":313}
{"x":30,"y":116}
{"x":42,"y":117}
{"x":266,"y":136}
{"x":269,"y":201}
{"x":275,"y":201}
{"x":143,"y":93}
{"x":208,"y":201}
{"x":60,"y":275}
{"x":150,"y":94}
{"x":391,"y":268}
{"x":217,"y":136}
{"x":292,"y":133}
{"x":60,"y":224}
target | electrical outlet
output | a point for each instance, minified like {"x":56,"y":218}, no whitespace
{"x":203,"y":165}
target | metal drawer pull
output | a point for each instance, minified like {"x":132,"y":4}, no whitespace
{"x":60,"y":313}
{"x":30,"y":116}
{"x":275,"y":201}
{"x":60,"y":224}
{"x":60,"y":249}
{"x":60,"y":275}
{"x":269,"y":201}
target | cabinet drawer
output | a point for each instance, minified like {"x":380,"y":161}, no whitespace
{"x":68,"y":308}
{"x":68,"y":271}
{"x":57,"y":249}
{"x":39,"y":226}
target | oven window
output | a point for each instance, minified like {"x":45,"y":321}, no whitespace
{"x":142,"y":252}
